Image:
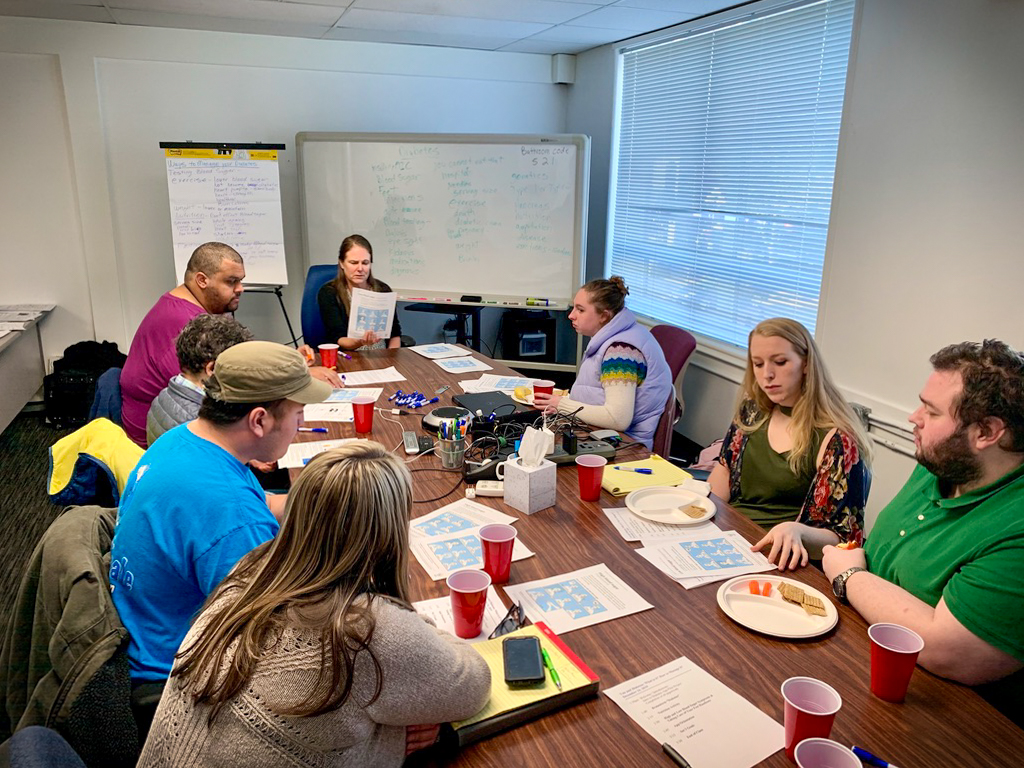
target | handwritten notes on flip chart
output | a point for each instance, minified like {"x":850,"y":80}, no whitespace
{"x":482,"y":215}
{"x":231,"y":196}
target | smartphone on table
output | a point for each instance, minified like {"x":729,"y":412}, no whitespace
{"x":524,"y":665}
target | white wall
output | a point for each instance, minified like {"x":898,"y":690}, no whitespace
{"x":99,"y":98}
{"x":925,"y":238}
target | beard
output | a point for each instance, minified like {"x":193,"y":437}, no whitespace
{"x":951,"y":460}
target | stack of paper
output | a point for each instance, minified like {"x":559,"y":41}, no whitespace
{"x":694,"y":559}
{"x":491,"y":382}
{"x":579,"y":599}
{"x":448,"y":539}
{"x":378,"y":376}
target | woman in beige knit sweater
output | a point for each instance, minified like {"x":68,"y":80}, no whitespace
{"x":309,"y":653}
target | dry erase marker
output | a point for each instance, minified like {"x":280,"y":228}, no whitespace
{"x":870,"y":759}
{"x":537,"y":302}
{"x":638,"y":470}
{"x":312,"y":429}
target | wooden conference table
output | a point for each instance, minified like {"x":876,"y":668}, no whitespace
{"x":939,"y":724}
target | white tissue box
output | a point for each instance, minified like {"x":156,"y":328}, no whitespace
{"x":529,"y":489}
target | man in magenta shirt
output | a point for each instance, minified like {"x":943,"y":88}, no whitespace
{"x":213,"y":283}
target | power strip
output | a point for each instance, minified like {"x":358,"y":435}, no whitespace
{"x":583,"y":447}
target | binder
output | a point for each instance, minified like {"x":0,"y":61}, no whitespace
{"x":509,"y":707}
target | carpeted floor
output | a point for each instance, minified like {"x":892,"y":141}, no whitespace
{"x":25,"y":510}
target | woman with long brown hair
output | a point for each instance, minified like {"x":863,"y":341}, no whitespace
{"x":309,"y":652}
{"x":355,"y":259}
{"x":795,"y":459}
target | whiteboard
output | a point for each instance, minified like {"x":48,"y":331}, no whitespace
{"x":230,"y":195}
{"x":502,"y":217}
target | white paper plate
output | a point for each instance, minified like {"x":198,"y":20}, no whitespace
{"x":528,"y":400}
{"x":772,"y":615}
{"x":661,"y":504}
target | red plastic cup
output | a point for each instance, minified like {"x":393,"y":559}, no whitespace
{"x":894,"y":651}
{"x":811,"y":706}
{"x":497,"y":541}
{"x":362,"y":409}
{"x":469,"y":598}
{"x":544,"y":386}
{"x":825,"y":753}
{"x":328,"y":355}
{"x":590,"y":470}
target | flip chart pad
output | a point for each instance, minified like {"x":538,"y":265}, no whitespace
{"x":231,"y":196}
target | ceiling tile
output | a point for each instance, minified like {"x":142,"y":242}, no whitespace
{"x":415,"y":37}
{"x":634,"y":19}
{"x":215,"y":24}
{"x":544,"y":11}
{"x":533,"y":45}
{"x":696,"y":7}
{"x":41,"y":10}
{"x":591,"y":36}
{"x":261,"y":10}
{"x":386,"y":20}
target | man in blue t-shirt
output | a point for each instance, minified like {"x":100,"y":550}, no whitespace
{"x":192,"y":508}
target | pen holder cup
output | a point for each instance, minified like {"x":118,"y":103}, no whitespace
{"x":452,"y":452}
{"x":529,"y":489}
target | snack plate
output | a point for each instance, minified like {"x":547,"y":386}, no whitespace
{"x":528,"y":400}
{"x":661,"y":504}
{"x":772,"y":615}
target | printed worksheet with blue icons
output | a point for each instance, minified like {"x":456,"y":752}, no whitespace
{"x":578,"y":599}
{"x":724,"y":554}
{"x":462,"y":365}
{"x":371,"y":311}
{"x":443,"y":555}
{"x":348,"y":395}
{"x":456,"y":517}
{"x":440,"y":351}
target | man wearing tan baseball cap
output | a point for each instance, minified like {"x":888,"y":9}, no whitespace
{"x":192,"y":508}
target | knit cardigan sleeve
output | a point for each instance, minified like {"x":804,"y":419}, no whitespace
{"x":623,"y":370}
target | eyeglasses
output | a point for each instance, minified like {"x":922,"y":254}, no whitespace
{"x":514,"y":619}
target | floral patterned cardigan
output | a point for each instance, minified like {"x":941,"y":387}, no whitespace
{"x":836,"y":497}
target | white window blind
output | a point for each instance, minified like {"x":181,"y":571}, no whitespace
{"x":727,"y":144}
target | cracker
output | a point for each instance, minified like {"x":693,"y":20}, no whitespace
{"x":694,"y":510}
{"x":816,"y":608}
{"x":791,"y":593}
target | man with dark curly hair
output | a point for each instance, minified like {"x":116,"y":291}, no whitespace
{"x":946,"y":557}
{"x":197,"y":346}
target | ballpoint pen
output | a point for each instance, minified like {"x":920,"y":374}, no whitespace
{"x":678,"y":759}
{"x":638,"y":470}
{"x":551,"y":668}
{"x":870,"y":759}
{"x":312,"y":429}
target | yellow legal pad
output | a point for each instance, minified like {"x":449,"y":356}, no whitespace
{"x":573,"y":673}
{"x":664,"y":473}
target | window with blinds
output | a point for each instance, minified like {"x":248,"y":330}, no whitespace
{"x":722,"y":184}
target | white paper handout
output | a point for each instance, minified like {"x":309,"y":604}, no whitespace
{"x":27,"y":307}
{"x":299,"y":453}
{"x":371,"y":311}
{"x":721,"y":554}
{"x":682,"y":705}
{"x":579,"y":599}
{"x":12,"y":326}
{"x":633,"y":528}
{"x":440,"y":610}
{"x":459,"y":516}
{"x":491,"y":382}
{"x":442,"y":555}
{"x":462,"y":365}
{"x":338,"y":407}
{"x":440,"y":351}
{"x":376,"y":376}
{"x":18,"y":316}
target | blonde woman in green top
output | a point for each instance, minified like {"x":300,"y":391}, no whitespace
{"x":795,"y":459}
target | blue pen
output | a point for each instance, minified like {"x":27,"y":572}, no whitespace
{"x":870,"y":759}
{"x":397,"y":394}
{"x":312,"y":429}
{"x":431,"y":401}
{"x":638,"y":470}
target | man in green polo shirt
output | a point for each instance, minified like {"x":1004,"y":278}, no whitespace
{"x":946,"y":557}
